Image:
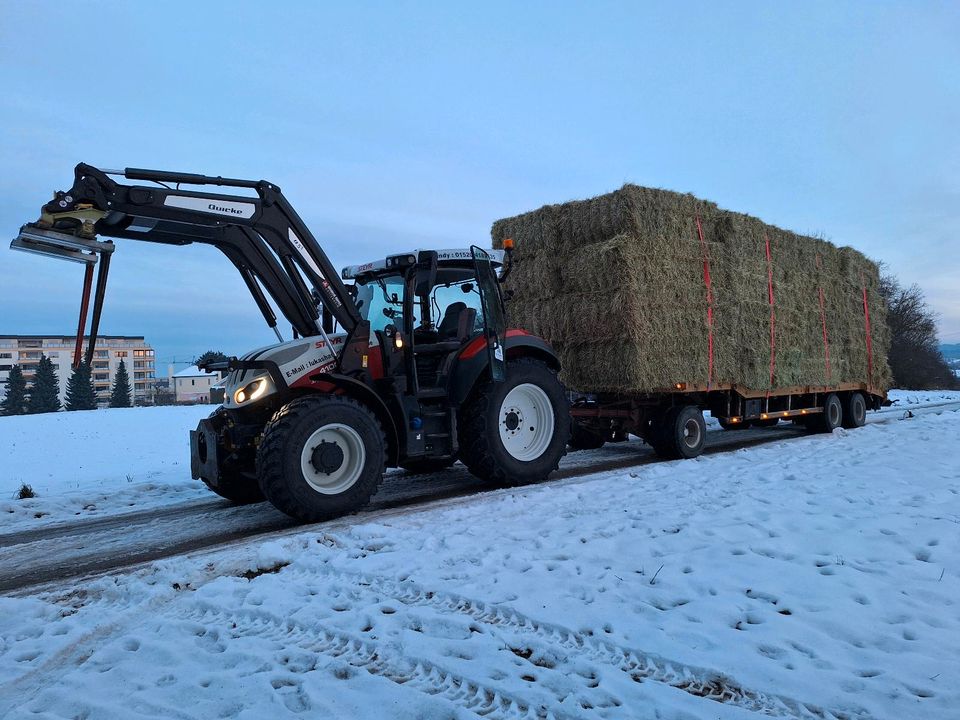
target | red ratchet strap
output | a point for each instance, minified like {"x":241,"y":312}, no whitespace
{"x":866,"y":322}
{"x":773,"y":315}
{"x":823,"y":322}
{"x":706,"y":281}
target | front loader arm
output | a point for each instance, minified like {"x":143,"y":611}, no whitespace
{"x":262,"y":235}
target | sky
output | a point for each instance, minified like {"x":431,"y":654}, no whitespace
{"x":397,"y":125}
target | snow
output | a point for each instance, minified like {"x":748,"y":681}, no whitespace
{"x":814,"y":577}
{"x":85,"y":462}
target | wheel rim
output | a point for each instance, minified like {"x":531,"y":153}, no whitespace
{"x":526,"y":422}
{"x":834,"y":413}
{"x":691,"y":433}
{"x":332,"y":458}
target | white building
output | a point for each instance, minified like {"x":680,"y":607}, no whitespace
{"x":193,"y":384}
{"x":25,"y":351}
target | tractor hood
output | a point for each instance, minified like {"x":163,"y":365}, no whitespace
{"x":294,"y":360}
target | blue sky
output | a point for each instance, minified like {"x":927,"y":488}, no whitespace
{"x":398,"y":125}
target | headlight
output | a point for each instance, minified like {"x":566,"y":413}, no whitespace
{"x":251,"y":391}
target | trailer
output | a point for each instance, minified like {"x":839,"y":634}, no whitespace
{"x":662,"y":306}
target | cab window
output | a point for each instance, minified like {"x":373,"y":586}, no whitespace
{"x":381,"y":302}
{"x":446,"y":297}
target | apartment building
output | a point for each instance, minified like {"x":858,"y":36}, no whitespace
{"x":25,"y":351}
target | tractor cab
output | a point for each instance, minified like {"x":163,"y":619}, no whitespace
{"x":427,"y":309}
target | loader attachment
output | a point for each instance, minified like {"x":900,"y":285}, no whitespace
{"x":259,"y":232}
{"x":81,"y":246}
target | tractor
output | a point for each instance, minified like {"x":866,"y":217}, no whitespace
{"x":406,"y":361}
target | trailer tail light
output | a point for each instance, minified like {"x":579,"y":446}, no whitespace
{"x":508,"y":244}
{"x":680,"y":386}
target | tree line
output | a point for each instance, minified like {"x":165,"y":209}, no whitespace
{"x":43,"y":394}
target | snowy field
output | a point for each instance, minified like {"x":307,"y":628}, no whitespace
{"x":89,"y":462}
{"x":810,"y":578}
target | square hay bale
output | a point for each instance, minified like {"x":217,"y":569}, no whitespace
{"x":618,"y":285}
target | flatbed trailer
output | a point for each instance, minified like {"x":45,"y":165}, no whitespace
{"x":672,"y":422}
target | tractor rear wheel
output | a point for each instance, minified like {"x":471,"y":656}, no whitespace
{"x":515,"y":431}
{"x":321,"y":456}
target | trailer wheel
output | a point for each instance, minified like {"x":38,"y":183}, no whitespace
{"x":830,"y":418}
{"x":854,"y":411}
{"x":583,"y":439}
{"x":680,"y":433}
{"x":515,"y":432}
{"x":321,"y":456}
{"x":240,"y":488}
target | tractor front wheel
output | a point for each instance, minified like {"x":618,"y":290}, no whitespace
{"x":320,"y":457}
{"x":515,"y":431}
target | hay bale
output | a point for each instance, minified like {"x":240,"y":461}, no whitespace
{"x":616,"y":284}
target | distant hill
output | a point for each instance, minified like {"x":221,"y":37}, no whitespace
{"x":951,"y":352}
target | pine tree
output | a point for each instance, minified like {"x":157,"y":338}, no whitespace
{"x":81,"y":395}
{"x":45,"y":391}
{"x":15,"y":400}
{"x":120,"y":395}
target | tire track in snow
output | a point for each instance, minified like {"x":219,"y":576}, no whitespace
{"x":422,"y":675}
{"x":640,"y":666}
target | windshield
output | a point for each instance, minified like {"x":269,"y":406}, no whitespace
{"x":380,"y":302}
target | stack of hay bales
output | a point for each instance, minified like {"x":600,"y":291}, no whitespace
{"x":617,"y":285}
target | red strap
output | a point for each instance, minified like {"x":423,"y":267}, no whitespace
{"x":773,"y":315}
{"x":866,"y":322}
{"x":823,"y":321}
{"x":706,"y":281}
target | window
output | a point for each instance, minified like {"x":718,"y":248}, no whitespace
{"x":29,"y":343}
{"x":101,"y":376}
{"x":6,"y":356}
{"x":5,"y":367}
{"x":139,"y":386}
{"x":100,"y":365}
{"x":120,"y":353}
{"x":101,"y":353}
{"x":381,"y":302}
{"x":142,"y":353}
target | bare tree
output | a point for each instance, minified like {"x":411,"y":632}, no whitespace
{"x":915,"y":358}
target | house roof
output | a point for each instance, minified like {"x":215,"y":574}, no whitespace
{"x":192,"y":371}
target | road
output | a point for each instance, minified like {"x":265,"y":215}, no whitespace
{"x":30,"y":558}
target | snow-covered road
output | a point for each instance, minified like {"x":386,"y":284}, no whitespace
{"x":810,"y":577}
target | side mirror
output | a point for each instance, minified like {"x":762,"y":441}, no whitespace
{"x":426,"y":271}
